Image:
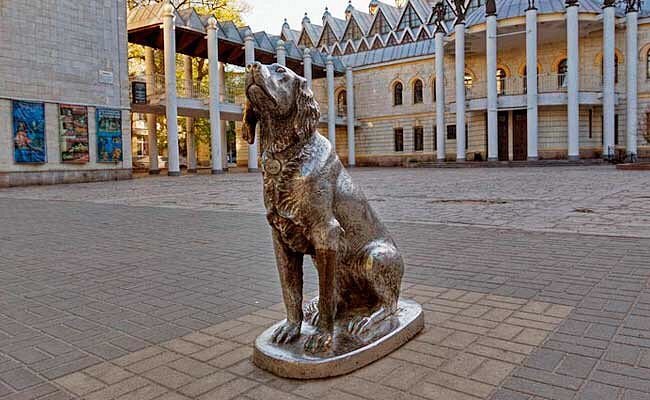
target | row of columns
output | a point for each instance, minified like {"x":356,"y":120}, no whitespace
{"x":331,"y":107}
{"x":171,"y":99}
{"x":215,"y":76}
{"x":573,"y":88}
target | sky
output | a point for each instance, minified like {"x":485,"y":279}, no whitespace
{"x":268,"y":15}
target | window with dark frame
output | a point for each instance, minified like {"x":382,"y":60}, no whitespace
{"x":591,"y":123}
{"x":451,"y":132}
{"x":418,"y":94}
{"x":418,"y":138}
{"x":399,"y":139}
{"x":397,"y":94}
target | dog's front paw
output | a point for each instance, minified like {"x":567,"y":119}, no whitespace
{"x":319,"y":342}
{"x":286,"y":333}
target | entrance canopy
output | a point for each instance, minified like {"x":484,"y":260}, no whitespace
{"x":144,"y":28}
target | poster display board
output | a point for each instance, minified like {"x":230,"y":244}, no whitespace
{"x":29,"y":132}
{"x":73,"y":129}
{"x":109,"y":135}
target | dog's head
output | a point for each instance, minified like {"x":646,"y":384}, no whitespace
{"x":276,"y":96}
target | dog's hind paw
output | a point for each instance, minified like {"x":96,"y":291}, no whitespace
{"x":311,"y":313}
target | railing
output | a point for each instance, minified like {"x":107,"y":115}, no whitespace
{"x":546,"y":83}
{"x":194,"y":90}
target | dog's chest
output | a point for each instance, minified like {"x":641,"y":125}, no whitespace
{"x":283,"y":198}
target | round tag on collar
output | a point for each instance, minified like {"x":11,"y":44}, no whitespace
{"x":273,"y":166}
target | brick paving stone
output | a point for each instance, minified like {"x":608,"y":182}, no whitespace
{"x":20,"y":378}
{"x":80,"y":384}
{"x":230,"y":389}
{"x":65,"y":307}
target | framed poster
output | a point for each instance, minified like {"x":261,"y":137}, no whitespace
{"x":109,"y":135}
{"x":29,"y":132}
{"x":139,"y":92}
{"x":73,"y":131}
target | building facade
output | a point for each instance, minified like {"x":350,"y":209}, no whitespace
{"x":64,"y":100}
{"x":581,"y":102}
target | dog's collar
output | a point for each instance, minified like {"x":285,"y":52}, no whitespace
{"x":274,"y":162}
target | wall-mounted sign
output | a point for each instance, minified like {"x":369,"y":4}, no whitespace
{"x":139,"y":92}
{"x":29,"y":132}
{"x":105,"y":77}
{"x":109,"y":135}
{"x":73,"y":131}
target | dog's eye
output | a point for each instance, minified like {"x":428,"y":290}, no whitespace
{"x":280,"y":70}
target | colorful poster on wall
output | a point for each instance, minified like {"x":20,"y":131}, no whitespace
{"x":29,"y":132}
{"x":73,"y":129}
{"x":109,"y":135}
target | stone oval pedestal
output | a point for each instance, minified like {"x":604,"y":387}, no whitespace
{"x":349,"y":352}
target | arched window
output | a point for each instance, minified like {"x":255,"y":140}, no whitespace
{"x":397,"y":94}
{"x":418,"y":96}
{"x":647,"y":65}
{"x":342,"y":103}
{"x":433,"y":88}
{"x":501,"y":81}
{"x":562,"y":69}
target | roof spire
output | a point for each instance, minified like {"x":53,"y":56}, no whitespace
{"x":372,"y":7}
{"x":348,"y":10}
{"x":326,"y":14}
{"x":306,"y":20}
{"x":285,"y":25}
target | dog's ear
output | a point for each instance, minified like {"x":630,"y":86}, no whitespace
{"x":251,"y":118}
{"x":307,"y":113}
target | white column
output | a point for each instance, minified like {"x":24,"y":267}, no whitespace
{"x":215,"y":115}
{"x":573,"y":81}
{"x":150,"y":71}
{"x":531,"y":82}
{"x":460,"y":92}
{"x":281,"y":53}
{"x":306,"y":60}
{"x":609,"y":77}
{"x":331,"y":104}
{"x":189,"y":121}
{"x":440,"y":96}
{"x":631,"y":86}
{"x":249,"y":49}
{"x":350,"y":117}
{"x":173,"y":168}
{"x":492,"y":105}
{"x":224,"y":139}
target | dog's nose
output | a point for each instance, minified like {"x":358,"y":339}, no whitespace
{"x":253,"y":67}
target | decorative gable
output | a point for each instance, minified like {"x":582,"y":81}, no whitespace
{"x":305,"y":40}
{"x":410,"y":19}
{"x":352,"y":32}
{"x":328,"y":37}
{"x":380,"y":26}
{"x":363,"y":46}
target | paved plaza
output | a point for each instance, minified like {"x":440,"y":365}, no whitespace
{"x":535,"y":283}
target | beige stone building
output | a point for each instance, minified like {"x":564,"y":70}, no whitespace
{"x":391,"y":50}
{"x":70,"y":53}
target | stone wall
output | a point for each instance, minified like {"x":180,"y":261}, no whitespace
{"x":54,"y":51}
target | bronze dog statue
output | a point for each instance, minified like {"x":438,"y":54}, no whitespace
{"x":314,"y":208}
